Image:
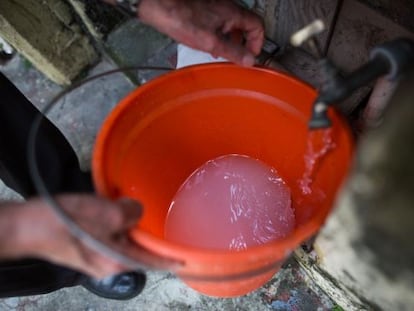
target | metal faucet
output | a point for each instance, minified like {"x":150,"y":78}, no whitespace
{"x":393,"y":59}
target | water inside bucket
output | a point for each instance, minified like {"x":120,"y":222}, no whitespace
{"x":319,"y":144}
{"x":232,"y":202}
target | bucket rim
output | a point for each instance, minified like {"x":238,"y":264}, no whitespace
{"x":277,"y":250}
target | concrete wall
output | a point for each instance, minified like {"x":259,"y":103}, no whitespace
{"x":48,"y":35}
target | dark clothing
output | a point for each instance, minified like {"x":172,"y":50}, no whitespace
{"x":58,"y":162}
{"x":34,"y":277}
{"x":59,"y":167}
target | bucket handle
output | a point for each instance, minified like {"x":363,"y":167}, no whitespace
{"x":136,"y":258}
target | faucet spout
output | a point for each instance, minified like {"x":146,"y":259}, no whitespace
{"x":319,"y":118}
{"x":393,"y":58}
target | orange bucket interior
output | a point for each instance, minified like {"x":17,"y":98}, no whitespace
{"x":163,"y":131}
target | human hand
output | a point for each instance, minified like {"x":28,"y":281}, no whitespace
{"x":205,"y":25}
{"x":40,"y":233}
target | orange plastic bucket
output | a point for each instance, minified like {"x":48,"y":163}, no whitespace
{"x":160,"y":133}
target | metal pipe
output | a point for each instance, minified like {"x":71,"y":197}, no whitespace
{"x":393,"y":59}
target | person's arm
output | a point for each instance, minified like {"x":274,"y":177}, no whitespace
{"x":31,"y":229}
{"x":9,"y":224}
{"x":205,"y":25}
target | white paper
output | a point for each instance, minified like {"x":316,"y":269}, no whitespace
{"x":187,"y":56}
